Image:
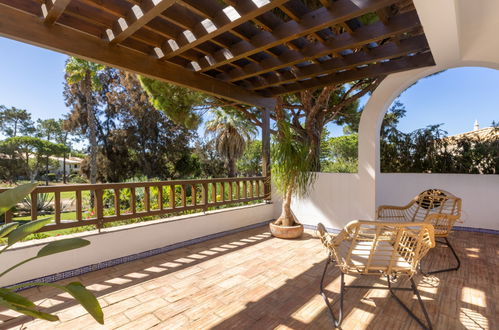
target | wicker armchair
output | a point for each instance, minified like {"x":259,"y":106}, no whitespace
{"x":378,"y":248}
{"x":438,"y":207}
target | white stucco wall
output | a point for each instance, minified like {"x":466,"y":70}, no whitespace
{"x":336,"y":198}
{"x":480,"y":193}
{"x":123,"y":241}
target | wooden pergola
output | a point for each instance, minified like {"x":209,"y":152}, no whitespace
{"x":246,"y":51}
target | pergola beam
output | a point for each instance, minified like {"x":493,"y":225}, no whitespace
{"x":247,"y":10}
{"x":374,"y":32}
{"x":28,"y":28}
{"x":135,"y":21}
{"x":52,"y":10}
{"x":340,"y":11}
{"x":379,"y":69}
{"x":387,"y":51}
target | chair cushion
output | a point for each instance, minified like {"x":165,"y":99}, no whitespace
{"x":381,"y":256}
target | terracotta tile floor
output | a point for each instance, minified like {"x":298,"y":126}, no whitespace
{"x":250,"y":280}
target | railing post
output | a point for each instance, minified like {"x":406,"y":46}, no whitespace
{"x":99,"y":209}
{"x":57,"y":208}
{"x":147,"y":198}
{"x":160,"y":197}
{"x":79,"y":203}
{"x":34,"y":205}
{"x":266,"y":153}
{"x":117,"y":202}
{"x":8,"y":216}
{"x":205,"y":197}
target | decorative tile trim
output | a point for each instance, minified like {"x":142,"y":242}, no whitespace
{"x":117,"y":261}
{"x":328,"y":229}
{"x":456,"y":228}
{"x":477,"y":230}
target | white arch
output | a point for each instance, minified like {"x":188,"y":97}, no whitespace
{"x":372,"y":117}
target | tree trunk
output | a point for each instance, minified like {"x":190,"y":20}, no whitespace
{"x":286,"y":218}
{"x":47,"y":171}
{"x":92,"y":136}
{"x":64,"y":168}
{"x":231,"y":164}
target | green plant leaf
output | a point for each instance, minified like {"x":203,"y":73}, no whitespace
{"x":61,"y":246}
{"x":11,"y":197}
{"x":15,"y":298}
{"x":29,"y":228}
{"x":28,"y":311}
{"x":7,"y":228}
{"x":86,"y":299}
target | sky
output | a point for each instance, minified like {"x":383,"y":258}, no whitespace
{"x":32,"y":78}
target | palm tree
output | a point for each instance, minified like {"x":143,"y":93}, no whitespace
{"x":85,"y":74}
{"x":231,"y":135}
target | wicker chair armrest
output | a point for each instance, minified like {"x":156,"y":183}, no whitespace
{"x":392,"y":212}
{"x":441,"y":222}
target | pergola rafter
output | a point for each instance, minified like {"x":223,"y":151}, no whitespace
{"x":53,"y":10}
{"x":245,"y":51}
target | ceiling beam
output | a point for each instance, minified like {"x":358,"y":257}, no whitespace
{"x":247,"y":10}
{"x":313,"y":21}
{"x":136,"y":20}
{"x":387,"y":51}
{"x":52,"y":10}
{"x":29,"y":29}
{"x":362,"y":36}
{"x":375,"y":70}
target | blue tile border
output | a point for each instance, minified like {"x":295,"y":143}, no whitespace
{"x":117,"y":261}
{"x":456,"y":228}
{"x":476,"y":230}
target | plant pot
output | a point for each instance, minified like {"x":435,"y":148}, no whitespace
{"x":286,"y":231}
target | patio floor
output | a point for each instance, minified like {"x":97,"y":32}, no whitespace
{"x":250,"y":280}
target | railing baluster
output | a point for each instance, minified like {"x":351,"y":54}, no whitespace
{"x":257,"y":186}
{"x":172,"y":197}
{"x":182,"y":187}
{"x":213,"y":192}
{"x":245,"y":189}
{"x":251,"y":188}
{"x":238,"y":190}
{"x":117,"y":210}
{"x":133,"y":202}
{"x":147,"y":198}
{"x":230,"y":190}
{"x":160,"y":197}
{"x":34,"y":205}
{"x":194,"y":194}
{"x":8,"y":216}
{"x":222,"y":191}
{"x":204,"y":196}
{"x":57,"y":207}
{"x":79,"y":215}
{"x":99,"y":209}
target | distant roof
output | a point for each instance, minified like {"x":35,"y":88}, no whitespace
{"x":482,"y":133}
{"x":248,"y":51}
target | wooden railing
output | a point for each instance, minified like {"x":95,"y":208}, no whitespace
{"x":96,"y":204}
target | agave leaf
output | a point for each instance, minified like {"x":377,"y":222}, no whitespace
{"x":86,"y":299}
{"x":61,"y":246}
{"x":24,"y":230}
{"x":15,"y":298}
{"x":28,"y":311}
{"x":11,"y":197}
{"x":7,"y":228}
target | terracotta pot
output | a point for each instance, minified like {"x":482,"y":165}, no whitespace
{"x":286,"y":231}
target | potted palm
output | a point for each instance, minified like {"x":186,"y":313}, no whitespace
{"x":291,"y":175}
